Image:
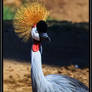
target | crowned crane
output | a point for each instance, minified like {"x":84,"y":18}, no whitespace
{"x":50,"y":83}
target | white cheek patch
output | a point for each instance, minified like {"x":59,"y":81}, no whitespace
{"x":35,"y":34}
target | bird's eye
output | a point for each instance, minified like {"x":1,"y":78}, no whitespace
{"x":36,"y":31}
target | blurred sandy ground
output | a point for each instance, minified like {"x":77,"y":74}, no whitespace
{"x":17,"y":75}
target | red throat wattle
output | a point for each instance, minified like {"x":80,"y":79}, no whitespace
{"x":34,"y":25}
{"x":36,"y":47}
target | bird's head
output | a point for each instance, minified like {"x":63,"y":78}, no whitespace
{"x":41,"y":29}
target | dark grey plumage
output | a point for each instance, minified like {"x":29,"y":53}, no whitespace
{"x":66,"y":84}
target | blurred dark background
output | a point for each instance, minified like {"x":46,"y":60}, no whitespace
{"x":69,"y":45}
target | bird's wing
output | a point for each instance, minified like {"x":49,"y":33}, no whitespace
{"x":66,"y":83}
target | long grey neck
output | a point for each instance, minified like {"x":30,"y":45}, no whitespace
{"x":38,"y":79}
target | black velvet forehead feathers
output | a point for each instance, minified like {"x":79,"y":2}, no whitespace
{"x":42,"y":26}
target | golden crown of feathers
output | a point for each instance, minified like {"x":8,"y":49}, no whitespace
{"x":28,"y":15}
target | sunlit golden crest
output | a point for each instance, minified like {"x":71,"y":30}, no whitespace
{"x":28,"y":15}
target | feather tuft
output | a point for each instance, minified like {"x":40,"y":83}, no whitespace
{"x":28,"y":15}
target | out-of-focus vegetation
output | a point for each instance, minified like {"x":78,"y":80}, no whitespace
{"x":8,"y":13}
{"x":64,"y":10}
{"x":50,"y":18}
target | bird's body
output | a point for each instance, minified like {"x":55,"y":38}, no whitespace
{"x":50,"y":83}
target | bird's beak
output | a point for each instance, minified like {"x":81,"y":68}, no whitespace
{"x":44,"y":36}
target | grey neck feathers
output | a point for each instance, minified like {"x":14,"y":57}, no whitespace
{"x":38,"y":79}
